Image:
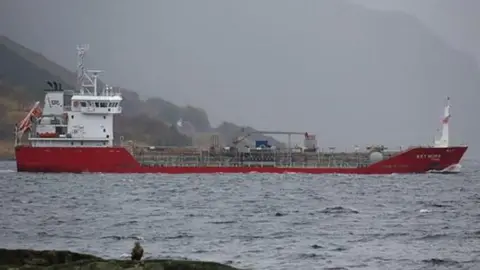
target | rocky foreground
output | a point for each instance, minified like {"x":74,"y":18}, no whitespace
{"x":66,"y":260}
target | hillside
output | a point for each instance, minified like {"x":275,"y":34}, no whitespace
{"x":11,"y":111}
{"x":22,"y":79}
{"x":23,"y":82}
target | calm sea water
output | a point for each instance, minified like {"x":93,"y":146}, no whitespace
{"x":251,"y":221}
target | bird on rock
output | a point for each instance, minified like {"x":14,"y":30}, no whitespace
{"x":137,"y":252}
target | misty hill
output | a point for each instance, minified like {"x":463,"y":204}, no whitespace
{"x":347,"y":73}
{"x":23,"y":74}
{"x":158,"y":108}
{"x":350,"y":74}
{"x":456,"y":22}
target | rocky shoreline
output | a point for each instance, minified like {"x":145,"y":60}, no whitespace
{"x":67,"y":260}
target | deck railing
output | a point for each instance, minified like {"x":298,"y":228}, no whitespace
{"x":193,"y":158}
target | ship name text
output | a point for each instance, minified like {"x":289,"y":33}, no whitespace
{"x":429,"y":156}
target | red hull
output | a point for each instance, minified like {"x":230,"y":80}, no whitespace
{"x":119,"y":160}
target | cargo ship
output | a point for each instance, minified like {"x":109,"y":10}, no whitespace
{"x":72,"y":132}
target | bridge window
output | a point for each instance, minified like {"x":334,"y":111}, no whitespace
{"x":103,"y":104}
{"x":83,"y":104}
{"x":97,"y":104}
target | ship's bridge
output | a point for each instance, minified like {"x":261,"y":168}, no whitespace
{"x":91,"y":116}
{"x":89,"y":104}
{"x":87,"y":122}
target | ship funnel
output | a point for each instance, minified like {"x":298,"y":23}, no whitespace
{"x":55,"y":85}
{"x":50,"y":84}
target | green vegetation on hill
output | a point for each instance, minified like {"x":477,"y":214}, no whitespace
{"x":23,"y":76}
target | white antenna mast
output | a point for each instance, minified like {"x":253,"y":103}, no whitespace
{"x":445,"y":137}
{"x":81,"y":50}
{"x":85,"y":78}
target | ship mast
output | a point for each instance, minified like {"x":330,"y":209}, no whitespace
{"x":86,"y":79}
{"x":445,"y":137}
{"x":81,"y":50}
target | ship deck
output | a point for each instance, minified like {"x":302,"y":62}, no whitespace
{"x":191,"y":157}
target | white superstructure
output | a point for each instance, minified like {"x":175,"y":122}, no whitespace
{"x":80,"y":118}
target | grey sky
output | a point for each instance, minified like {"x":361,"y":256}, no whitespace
{"x":351,"y":75}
